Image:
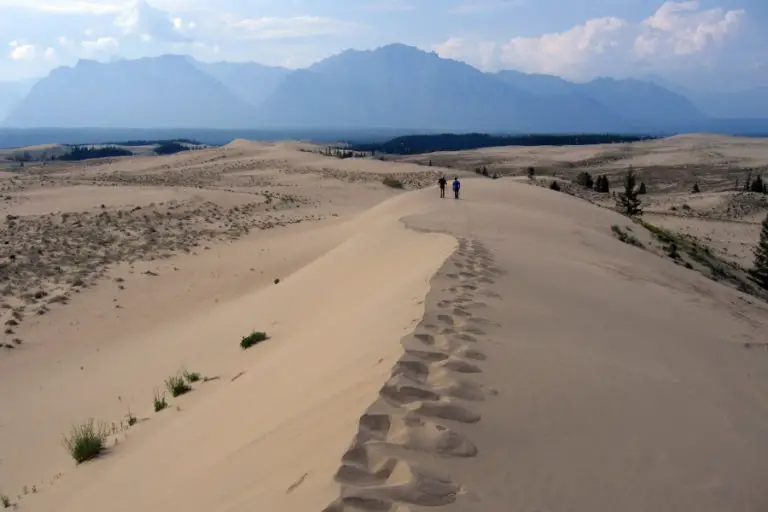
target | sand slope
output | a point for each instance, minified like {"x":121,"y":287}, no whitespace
{"x":551,"y":367}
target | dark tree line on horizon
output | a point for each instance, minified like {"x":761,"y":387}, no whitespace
{"x":77,"y":153}
{"x":418,"y":144}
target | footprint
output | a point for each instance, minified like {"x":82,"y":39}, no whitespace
{"x":446,"y":319}
{"x":461,"y":312}
{"x":405,"y":484}
{"x":445,"y":409}
{"x":414,"y":433}
{"x":452,"y":276}
{"x":467,"y":337}
{"x":471,"y":353}
{"x":425,"y":338}
{"x":400,"y":390}
{"x":447,"y":384}
{"x":430,"y":357}
{"x":458,"y":365}
{"x":475,"y":330}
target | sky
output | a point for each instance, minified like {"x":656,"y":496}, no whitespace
{"x":705,"y":44}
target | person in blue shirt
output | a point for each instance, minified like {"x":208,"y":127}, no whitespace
{"x":456,"y":187}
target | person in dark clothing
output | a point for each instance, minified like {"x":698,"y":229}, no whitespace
{"x":456,"y":187}
{"x":442,"y":182}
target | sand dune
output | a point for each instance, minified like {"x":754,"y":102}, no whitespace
{"x":502,"y":352}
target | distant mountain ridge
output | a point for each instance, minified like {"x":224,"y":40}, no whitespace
{"x":395,"y":86}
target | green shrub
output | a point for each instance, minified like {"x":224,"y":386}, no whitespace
{"x":252,"y":339}
{"x":86,"y":441}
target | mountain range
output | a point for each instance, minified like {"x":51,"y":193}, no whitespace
{"x":395,"y":86}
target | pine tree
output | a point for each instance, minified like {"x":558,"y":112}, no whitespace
{"x":696,"y":188}
{"x":757,"y":185}
{"x":601,"y":184}
{"x":627,"y":202}
{"x":760,"y":269}
{"x":585,"y":179}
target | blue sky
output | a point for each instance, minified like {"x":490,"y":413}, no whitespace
{"x":702,"y":43}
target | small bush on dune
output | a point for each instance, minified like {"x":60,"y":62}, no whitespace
{"x":252,"y":339}
{"x":86,"y":441}
{"x":177,"y":385}
{"x":6,"y":501}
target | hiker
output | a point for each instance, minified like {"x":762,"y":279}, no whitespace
{"x":442,"y":182}
{"x":456,"y":187}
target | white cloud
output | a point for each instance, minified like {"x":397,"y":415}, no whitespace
{"x":681,"y":28}
{"x":22,"y":51}
{"x":604,"y":45}
{"x":67,"y":6}
{"x":288,"y":28}
{"x":100,"y":47}
{"x":143,"y":19}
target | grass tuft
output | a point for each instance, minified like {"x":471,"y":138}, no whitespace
{"x":252,"y":339}
{"x":5,"y":500}
{"x":177,"y":385}
{"x":86,"y":441}
{"x":191,"y":376}
{"x":160,"y":402}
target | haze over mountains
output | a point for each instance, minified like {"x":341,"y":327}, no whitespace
{"x":395,"y":86}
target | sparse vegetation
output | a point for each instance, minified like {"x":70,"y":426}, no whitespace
{"x":131,"y":419}
{"x":696,"y":189}
{"x":554,"y":186}
{"x":86,"y":441}
{"x":392,"y":183}
{"x":5,"y":500}
{"x":252,"y":339}
{"x":160,"y":402}
{"x":531,"y":173}
{"x":625,"y":236}
{"x":627,"y":201}
{"x":177,"y":385}
{"x":760,"y":269}
{"x":191,"y":376}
